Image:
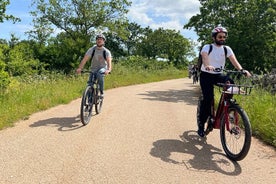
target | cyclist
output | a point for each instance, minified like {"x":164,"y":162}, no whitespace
{"x":208,"y":78}
{"x":195,"y":74}
{"x":100,"y":62}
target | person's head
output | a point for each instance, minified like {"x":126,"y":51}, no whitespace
{"x":219,"y":35}
{"x":100,"y":40}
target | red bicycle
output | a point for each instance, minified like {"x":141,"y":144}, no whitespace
{"x":230,"y":118}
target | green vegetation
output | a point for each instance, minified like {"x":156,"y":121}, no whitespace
{"x":260,"y":107}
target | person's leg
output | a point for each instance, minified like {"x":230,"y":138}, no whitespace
{"x":100,"y":76}
{"x":207,"y":88}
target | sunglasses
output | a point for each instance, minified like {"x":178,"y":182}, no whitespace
{"x":220,"y":37}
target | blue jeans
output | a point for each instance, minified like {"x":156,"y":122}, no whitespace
{"x":100,"y":76}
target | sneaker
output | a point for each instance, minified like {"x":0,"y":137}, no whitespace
{"x":101,"y":96}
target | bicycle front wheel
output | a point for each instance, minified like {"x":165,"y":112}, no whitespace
{"x":86,"y":105}
{"x":98,"y":101}
{"x":235,"y":138}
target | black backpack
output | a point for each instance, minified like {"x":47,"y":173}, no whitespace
{"x":93,"y":53}
{"x":199,"y":61}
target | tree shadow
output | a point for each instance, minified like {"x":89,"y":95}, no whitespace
{"x":63,"y":123}
{"x":206,"y":158}
{"x":189,"y":96}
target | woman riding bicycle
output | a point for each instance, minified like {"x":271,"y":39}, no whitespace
{"x":208,"y":77}
{"x":100,"y":61}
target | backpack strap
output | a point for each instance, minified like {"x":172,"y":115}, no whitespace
{"x":210,"y":49}
{"x":225,"y":51}
{"x":93,"y":53}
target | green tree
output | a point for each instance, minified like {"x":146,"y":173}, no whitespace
{"x":251,"y":26}
{"x":3,"y":15}
{"x":76,"y":21}
{"x":80,"y":17}
{"x":167,"y":44}
{"x":4,"y":77}
{"x":20,"y":60}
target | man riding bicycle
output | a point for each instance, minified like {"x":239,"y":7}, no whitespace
{"x":208,"y":77}
{"x":100,"y":60}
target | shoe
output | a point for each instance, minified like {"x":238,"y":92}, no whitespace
{"x":200,"y":132}
{"x":101,"y":96}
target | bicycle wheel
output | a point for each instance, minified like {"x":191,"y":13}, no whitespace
{"x":86,"y":106}
{"x":237,"y":140}
{"x":98,"y":101}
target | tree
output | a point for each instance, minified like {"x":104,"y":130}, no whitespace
{"x":3,"y":15}
{"x":75,"y":22}
{"x":251,"y":26}
{"x":79,"y":18}
{"x":167,"y":44}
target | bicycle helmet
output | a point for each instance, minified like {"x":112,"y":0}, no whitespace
{"x":100,"y":36}
{"x":219,"y":29}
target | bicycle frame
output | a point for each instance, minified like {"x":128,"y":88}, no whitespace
{"x":223,"y":105}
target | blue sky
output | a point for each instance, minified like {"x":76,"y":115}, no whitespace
{"x":153,"y":13}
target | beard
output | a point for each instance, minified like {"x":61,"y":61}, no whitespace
{"x":100,"y":45}
{"x":220,"y":42}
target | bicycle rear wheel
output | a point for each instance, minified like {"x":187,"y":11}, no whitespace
{"x":98,"y":101}
{"x":237,"y":140}
{"x":86,"y":105}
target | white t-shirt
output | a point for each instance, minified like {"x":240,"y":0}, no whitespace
{"x":216,"y":57}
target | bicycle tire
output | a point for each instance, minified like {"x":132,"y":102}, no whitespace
{"x":236,"y":142}
{"x":86,"y":105}
{"x":98,"y":101}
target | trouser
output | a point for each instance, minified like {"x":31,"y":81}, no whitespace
{"x":100,"y":76}
{"x":207,"y":82}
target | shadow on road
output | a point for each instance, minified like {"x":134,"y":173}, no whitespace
{"x":188,"y":96}
{"x":205,"y":157}
{"x":63,"y":123}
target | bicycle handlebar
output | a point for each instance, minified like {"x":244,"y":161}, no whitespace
{"x":88,"y":71}
{"x":230,"y":71}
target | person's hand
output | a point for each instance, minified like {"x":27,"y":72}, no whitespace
{"x":210,"y":68}
{"x":78,"y":71}
{"x":107,"y":72}
{"x":246,"y":73}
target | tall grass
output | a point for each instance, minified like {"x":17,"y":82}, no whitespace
{"x":260,"y":107}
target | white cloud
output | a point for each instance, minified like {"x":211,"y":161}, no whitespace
{"x":164,"y":13}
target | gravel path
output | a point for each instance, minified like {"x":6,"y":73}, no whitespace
{"x":144,"y":135}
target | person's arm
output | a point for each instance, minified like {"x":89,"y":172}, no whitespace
{"x":109,"y":65}
{"x":205,"y":61}
{"x":82,"y":63}
{"x":237,"y":65}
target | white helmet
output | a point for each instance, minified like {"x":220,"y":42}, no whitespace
{"x":100,"y":36}
{"x":219,"y":29}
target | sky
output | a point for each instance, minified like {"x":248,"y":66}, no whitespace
{"x":153,"y":13}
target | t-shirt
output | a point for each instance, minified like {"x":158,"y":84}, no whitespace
{"x":216,"y":57}
{"x":98,"y":60}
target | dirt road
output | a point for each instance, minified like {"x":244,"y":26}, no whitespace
{"x":144,"y":135}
